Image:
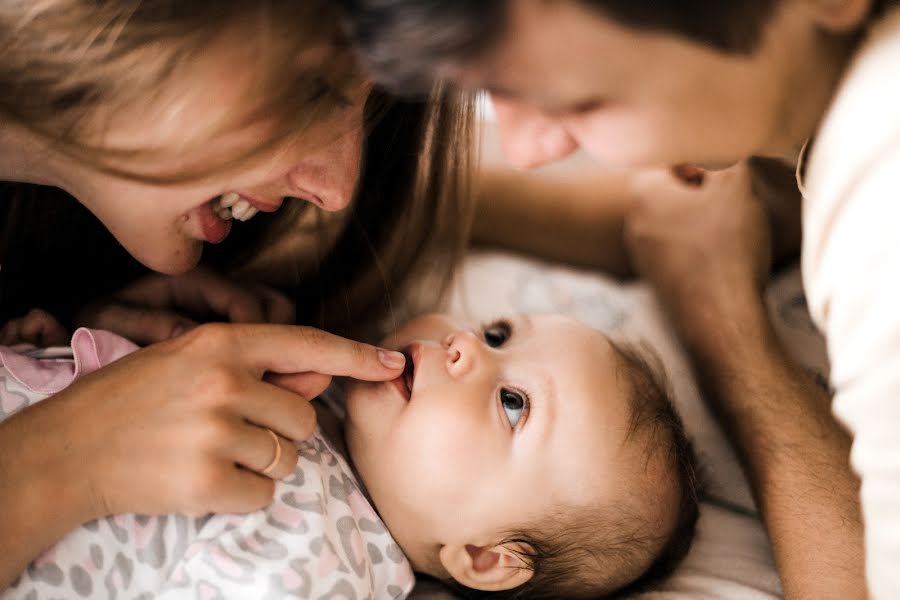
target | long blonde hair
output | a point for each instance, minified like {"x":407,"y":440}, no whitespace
{"x":63,"y":60}
{"x":404,"y":233}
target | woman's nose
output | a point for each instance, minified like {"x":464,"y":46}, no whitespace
{"x":462,"y":351}
{"x":530,"y":138}
{"x":332,"y":173}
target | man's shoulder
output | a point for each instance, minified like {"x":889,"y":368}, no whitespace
{"x":863,"y":123}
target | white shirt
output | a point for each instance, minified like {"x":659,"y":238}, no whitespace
{"x":851,"y":270}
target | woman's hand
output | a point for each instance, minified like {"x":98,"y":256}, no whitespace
{"x":703,"y":246}
{"x":159,"y":307}
{"x":38,"y":328}
{"x":181,"y":426}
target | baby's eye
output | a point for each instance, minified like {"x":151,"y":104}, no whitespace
{"x":514,"y":405}
{"x":496,"y":334}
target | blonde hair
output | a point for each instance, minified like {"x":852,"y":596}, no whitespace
{"x":63,"y":62}
{"x":407,"y":228}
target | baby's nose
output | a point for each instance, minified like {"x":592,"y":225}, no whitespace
{"x":455,"y":355}
{"x":448,"y":341}
{"x":460,"y":352}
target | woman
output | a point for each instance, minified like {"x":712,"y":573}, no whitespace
{"x":163,"y":127}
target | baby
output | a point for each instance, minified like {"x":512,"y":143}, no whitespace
{"x":531,"y":457}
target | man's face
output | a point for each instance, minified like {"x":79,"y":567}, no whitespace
{"x":565,"y":77}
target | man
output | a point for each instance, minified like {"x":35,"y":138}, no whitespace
{"x":709,"y":84}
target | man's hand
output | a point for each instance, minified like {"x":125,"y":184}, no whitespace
{"x":699,"y":244}
{"x":159,"y":307}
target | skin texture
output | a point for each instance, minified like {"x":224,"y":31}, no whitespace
{"x":451,"y":475}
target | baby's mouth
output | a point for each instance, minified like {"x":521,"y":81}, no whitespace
{"x":405,"y":382}
{"x":409,"y":372}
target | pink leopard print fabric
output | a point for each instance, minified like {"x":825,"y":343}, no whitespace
{"x":320,"y":538}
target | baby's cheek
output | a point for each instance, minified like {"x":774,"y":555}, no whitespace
{"x":449,"y":455}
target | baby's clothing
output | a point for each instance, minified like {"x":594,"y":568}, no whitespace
{"x":320,"y":538}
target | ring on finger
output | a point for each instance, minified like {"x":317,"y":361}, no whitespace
{"x":277,"y":458}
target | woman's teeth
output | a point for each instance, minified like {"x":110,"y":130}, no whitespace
{"x":232,"y":206}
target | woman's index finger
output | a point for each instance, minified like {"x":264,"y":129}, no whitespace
{"x":297,"y":349}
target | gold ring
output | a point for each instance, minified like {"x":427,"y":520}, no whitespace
{"x":277,"y":458}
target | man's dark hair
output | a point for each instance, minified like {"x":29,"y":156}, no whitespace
{"x":405,"y":40}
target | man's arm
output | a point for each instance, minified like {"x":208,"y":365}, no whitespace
{"x":794,"y":453}
{"x":706,"y":252}
{"x":575,"y":214}
{"x":574,"y":217}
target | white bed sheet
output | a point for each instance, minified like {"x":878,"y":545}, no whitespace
{"x":730,"y":558}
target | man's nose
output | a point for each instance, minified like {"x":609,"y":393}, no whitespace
{"x":463,"y":349}
{"x":529,"y":137}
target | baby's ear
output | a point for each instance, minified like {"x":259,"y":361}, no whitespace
{"x":488,"y":568}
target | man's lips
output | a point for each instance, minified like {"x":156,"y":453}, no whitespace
{"x":689,"y":174}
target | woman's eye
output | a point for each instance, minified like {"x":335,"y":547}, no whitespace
{"x":497,"y":334}
{"x":514,"y":405}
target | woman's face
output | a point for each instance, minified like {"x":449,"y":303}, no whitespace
{"x":165,"y":225}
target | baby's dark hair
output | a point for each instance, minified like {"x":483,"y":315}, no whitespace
{"x":598,"y":551}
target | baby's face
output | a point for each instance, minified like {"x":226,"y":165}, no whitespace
{"x":493,"y":428}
